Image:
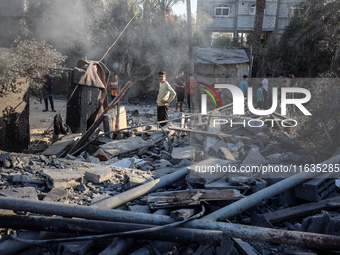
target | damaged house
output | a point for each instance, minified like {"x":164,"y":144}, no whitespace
{"x":223,"y":63}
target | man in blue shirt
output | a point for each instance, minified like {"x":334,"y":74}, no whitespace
{"x":260,"y":97}
{"x":244,"y":85}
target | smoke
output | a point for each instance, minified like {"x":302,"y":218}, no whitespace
{"x":87,"y":28}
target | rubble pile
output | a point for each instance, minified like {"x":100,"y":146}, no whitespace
{"x":170,"y":193}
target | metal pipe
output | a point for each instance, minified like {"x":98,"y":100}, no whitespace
{"x":87,"y":212}
{"x":119,"y":247}
{"x":235,"y":230}
{"x":9,"y":246}
{"x":259,"y":196}
{"x":95,"y":227}
{"x":122,"y":245}
{"x":141,"y":190}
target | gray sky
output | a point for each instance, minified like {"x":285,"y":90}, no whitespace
{"x":181,"y":8}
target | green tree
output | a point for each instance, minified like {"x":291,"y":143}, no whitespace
{"x":164,"y":5}
{"x":25,"y":63}
{"x":309,"y":46}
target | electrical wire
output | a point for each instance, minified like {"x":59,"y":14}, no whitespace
{"x":127,"y":233}
{"x":134,"y":16}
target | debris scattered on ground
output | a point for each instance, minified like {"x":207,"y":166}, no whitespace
{"x":159,"y":177}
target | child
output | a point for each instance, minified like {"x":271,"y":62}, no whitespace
{"x":260,"y":97}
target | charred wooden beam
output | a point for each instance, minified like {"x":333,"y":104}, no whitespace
{"x":190,"y":197}
{"x":141,"y":190}
{"x":207,"y":133}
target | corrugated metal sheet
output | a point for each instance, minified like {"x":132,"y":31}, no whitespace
{"x":220,"y":56}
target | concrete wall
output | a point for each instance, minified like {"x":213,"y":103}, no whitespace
{"x":208,"y":71}
{"x":240,"y":19}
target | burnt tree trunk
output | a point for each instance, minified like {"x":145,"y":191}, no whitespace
{"x":256,"y":44}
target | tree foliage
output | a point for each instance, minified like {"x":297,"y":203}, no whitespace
{"x":163,"y":5}
{"x":309,"y":46}
{"x":87,"y":28}
{"x":25,"y":63}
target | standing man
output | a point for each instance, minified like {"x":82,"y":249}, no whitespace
{"x":48,"y":86}
{"x":191,"y":85}
{"x":244,"y":85}
{"x":180,"y":84}
{"x":113,"y":85}
{"x":165,"y":95}
{"x":265,"y":90}
{"x":260,"y":97}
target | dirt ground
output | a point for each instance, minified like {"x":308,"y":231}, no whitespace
{"x":41,"y":123}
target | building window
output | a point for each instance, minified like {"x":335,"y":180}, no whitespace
{"x":222,"y":10}
{"x":252,"y":10}
{"x":295,"y":11}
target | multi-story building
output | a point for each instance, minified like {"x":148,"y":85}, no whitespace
{"x":235,"y":18}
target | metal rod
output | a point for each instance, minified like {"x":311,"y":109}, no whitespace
{"x":95,"y":227}
{"x":235,"y":230}
{"x":257,"y":197}
{"x":10,"y":247}
{"x":141,"y":190}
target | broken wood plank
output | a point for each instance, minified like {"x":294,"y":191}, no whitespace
{"x":244,"y":248}
{"x":207,"y":133}
{"x":182,"y":214}
{"x":190,"y":197}
{"x":223,"y":184}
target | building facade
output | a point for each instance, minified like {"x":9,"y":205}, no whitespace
{"x":236,"y":17}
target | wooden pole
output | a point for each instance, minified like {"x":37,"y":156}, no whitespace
{"x":191,"y":49}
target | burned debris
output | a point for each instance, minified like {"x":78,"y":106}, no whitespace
{"x":175,"y":190}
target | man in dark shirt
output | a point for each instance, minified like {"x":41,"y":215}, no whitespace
{"x":179,"y":88}
{"x":191,"y":87}
{"x":48,"y":86}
